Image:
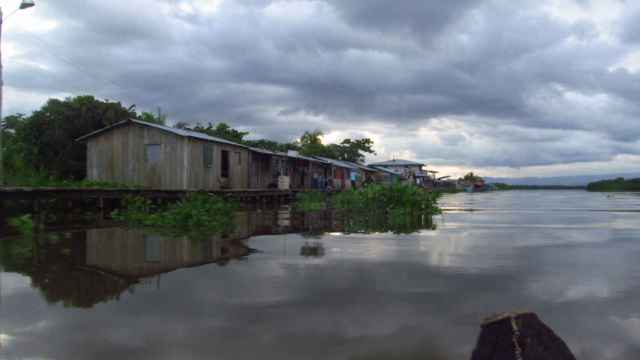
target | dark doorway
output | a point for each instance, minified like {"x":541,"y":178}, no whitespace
{"x":224,"y":164}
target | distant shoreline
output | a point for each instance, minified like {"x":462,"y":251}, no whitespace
{"x":504,"y":187}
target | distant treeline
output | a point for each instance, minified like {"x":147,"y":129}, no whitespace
{"x":619,"y":184}
{"x":501,"y":186}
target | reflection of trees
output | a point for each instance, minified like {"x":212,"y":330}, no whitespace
{"x":400,"y":222}
{"x":55,"y":267}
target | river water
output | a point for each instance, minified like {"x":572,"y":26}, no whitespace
{"x":286,"y":286}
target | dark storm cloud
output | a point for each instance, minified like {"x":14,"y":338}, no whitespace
{"x":277,"y":68}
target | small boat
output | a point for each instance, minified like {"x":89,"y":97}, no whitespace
{"x":519,"y":336}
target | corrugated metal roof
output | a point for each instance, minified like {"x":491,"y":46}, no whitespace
{"x":397,"y":162}
{"x":179,"y":132}
{"x":388,"y":171}
{"x":335,"y":162}
{"x":360,"y":166}
{"x":289,"y":155}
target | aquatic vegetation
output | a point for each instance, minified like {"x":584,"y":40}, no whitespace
{"x":387,"y":199}
{"x":39,"y":180}
{"x":311,"y":201}
{"x":197,"y":213}
{"x":23,"y":224}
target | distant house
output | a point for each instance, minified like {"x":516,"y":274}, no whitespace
{"x":386,"y":176}
{"x":160,"y":157}
{"x":409,"y":170}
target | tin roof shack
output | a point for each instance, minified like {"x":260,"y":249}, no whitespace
{"x":411,"y":171}
{"x":306,"y":172}
{"x":160,"y":157}
{"x":341,"y":173}
{"x":387,"y":176}
{"x":266,"y":167}
{"x":365,"y":173}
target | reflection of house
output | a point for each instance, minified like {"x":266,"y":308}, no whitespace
{"x":139,"y":153}
{"x":136,"y":254}
{"x":410,"y":170}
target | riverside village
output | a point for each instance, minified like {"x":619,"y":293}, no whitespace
{"x":319,"y":180}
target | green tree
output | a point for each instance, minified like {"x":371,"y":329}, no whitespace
{"x":355,"y":150}
{"x":310,"y":144}
{"x":272,"y":145}
{"x":46,"y":139}
{"x":159,"y":118}
{"x":471,"y":177}
{"x":221,"y":130}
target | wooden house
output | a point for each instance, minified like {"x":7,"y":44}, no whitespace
{"x":266,"y":167}
{"x":341,"y":173}
{"x":307,"y":172}
{"x":387,"y":176}
{"x":134,"y":152}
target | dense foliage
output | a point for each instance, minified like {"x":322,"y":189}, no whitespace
{"x":471,"y":177}
{"x":619,"y":184}
{"x":311,"y":201}
{"x":383,"y":198}
{"x":196,"y":213}
{"x":23,"y":224}
{"x":43,"y":145}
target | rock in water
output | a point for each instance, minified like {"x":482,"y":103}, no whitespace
{"x":519,"y":336}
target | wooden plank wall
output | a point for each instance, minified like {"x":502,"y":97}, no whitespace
{"x":201,"y":177}
{"x":118,"y":156}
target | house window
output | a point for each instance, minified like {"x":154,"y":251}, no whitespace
{"x":152,"y":153}
{"x":224,"y":164}
{"x":239,"y":157}
{"x":207,"y":155}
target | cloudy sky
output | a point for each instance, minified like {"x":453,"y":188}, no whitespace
{"x":502,"y":87}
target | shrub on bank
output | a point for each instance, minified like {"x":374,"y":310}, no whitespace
{"x":311,"y":201}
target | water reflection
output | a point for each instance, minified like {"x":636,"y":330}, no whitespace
{"x":84,"y":268}
{"x":371,"y":295}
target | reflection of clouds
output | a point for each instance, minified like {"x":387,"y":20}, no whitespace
{"x":12,"y":283}
{"x":465,"y":250}
{"x":594,"y":272}
{"x":560,"y":287}
{"x":630,"y":326}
